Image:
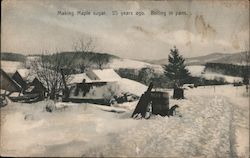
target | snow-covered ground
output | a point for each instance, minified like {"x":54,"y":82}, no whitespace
{"x":230,"y":79}
{"x":214,"y":122}
{"x":198,"y":71}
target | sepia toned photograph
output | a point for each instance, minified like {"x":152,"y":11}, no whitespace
{"x":125,"y":78}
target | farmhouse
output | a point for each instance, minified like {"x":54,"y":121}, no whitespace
{"x":80,"y":84}
{"x":36,"y":87}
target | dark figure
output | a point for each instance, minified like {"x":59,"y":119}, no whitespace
{"x":172,"y":110}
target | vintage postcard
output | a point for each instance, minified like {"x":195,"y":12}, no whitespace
{"x":120,"y":78}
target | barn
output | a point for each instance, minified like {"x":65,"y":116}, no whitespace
{"x":36,"y":87}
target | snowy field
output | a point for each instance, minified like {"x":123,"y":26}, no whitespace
{"x":214,"y":122}
{"x":198,"y":71}
{"x":11,"y":66}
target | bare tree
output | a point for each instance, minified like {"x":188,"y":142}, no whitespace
{"x":100,"y":60}
{"x":84,"y":46}
{"x":47,"y":68}
{"x":53,"y":69}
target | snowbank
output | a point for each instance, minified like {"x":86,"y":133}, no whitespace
{"x":131,"y":86}
{"x":106,"y":91}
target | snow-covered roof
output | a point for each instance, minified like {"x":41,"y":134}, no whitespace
{"x":24,"y":73}
{"x":78,"y":78}
{"x":106,"y":74}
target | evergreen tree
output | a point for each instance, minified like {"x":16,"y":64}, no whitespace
{"x":176,"y":70}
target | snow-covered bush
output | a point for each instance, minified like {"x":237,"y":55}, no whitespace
{"x":106,"y":92}
{"x":50,"y":106}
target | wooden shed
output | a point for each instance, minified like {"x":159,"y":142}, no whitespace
{"x":36,"y":87}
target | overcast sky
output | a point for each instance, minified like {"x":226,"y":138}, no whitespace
{"x":29,"y":27}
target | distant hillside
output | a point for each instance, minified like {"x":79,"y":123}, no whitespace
{"x":201,"y":60}
{"x":79,"y":62}
{"x":235,"y":58}
{"x":115,"y":62}
{"x":86,"y":55}
{"x":13,"y":57}
{"x":227,"y":69}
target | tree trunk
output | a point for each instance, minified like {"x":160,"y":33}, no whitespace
{"x":52,"y":95}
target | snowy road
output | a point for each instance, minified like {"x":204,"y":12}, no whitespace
{"x":214,"y":123}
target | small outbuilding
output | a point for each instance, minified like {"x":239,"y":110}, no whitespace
{"x":36,"y":87}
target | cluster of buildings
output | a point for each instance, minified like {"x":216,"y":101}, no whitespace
{"x":23,"y":84}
